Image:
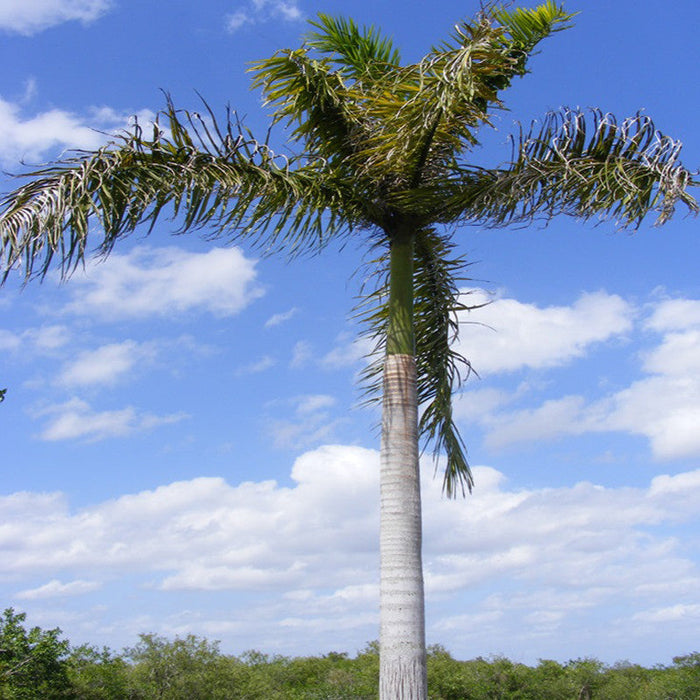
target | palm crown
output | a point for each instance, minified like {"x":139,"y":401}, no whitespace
{"x":383,"y":149}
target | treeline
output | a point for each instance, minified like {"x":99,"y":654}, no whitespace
{"x":38,"y":664}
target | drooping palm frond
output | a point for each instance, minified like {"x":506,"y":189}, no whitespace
{"x":202,"y":174}
{"x":440,"y":369}
{"x":586,"y":165}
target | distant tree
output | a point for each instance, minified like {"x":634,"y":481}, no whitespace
{"x":2,"y":394}
{"x":33,"y":663}
{"x":685,"y":682}
{"x":189,"y":668}
{"x":100,"y":675}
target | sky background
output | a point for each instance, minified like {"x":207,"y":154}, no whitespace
{"x":182,"y":446}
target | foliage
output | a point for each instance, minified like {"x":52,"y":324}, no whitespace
{"x":33,"y":663}
{"x":101,"y":675}
{"x":38,"y":665}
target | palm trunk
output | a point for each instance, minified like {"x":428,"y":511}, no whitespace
{"x":402,"y":674}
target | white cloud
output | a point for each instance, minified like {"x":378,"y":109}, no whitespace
{"x":76,"y":420}
{"x":32,"y":138}
{"x":665,"y":409}
{"x":47,"y":338}
{"x":508,"y":335}
{"x":673,"y":613}
{"x":276,"y":319}
{"x":56,"y":589}
{"x":42,"y":339}
{"x":347,"y":352}
{"x":675,"y":314}
{"x":313,"y":403}
{"x":550,"y":420}
{"x":677,"y":355}
{"x":582,"y":550}
{"x":31,"y":16}
{"x":237,"y":19}
{"x":9,"y":341}
{"x":259,"y":11}
{"x":663,"y":405}
{"x":302,"y":352}
{"x":311,"y":423}
{"x":163,"y":281}
{"x":107,"y":364}
{"x":261,"y":365}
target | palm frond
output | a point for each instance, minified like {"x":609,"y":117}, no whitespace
{"x":201,"y":173}
{"x":360,"y":52}
{"x":440,"y":369}
{"x":586,"y":165}
{"x":310,"y":95}
{"x":526,"y":27}
{"x":430,"y":112}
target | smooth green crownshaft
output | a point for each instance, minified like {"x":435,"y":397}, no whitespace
{"x":400,"y":334}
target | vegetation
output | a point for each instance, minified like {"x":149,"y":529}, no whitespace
{"x":380,"y":151}
{"x":39,"y":665}
{"x":33,"y":663}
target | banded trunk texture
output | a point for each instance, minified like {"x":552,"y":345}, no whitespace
{"x":402,"y":617}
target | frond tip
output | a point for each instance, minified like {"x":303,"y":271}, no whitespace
{"x":583,"y":164}
{"x":623,"y":169}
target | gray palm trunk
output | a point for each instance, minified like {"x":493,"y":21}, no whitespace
{"x":403,"y":674}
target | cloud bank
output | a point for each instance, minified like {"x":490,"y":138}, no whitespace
{"x":579,"y":556}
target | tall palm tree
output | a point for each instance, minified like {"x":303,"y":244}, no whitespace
{"x":382,"y":152}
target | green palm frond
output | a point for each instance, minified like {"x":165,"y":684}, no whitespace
{"x":440,"y":369}
{"x":201,"y":174}
{"x":308,"y":94}
{"x":586,"y":165}
{"x":430,"y":112}
{"x":526,"y":27}
{"x":361,"y":52}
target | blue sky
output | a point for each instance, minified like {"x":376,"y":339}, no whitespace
{"x":182,"y":444}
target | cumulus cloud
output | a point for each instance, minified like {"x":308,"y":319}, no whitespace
{"x":311,"y":548}
{"x":162,"y":281}
{"x":508,"y":335}
{"x":674,"y":315}
{"x":75,"y":419}
{"x":32,"y":138}
{"x":259,"y":11}
{"x":663,"y":405}
{"x":32,"y":16}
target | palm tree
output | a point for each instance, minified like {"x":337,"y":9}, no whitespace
{"x":381,"y":153}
